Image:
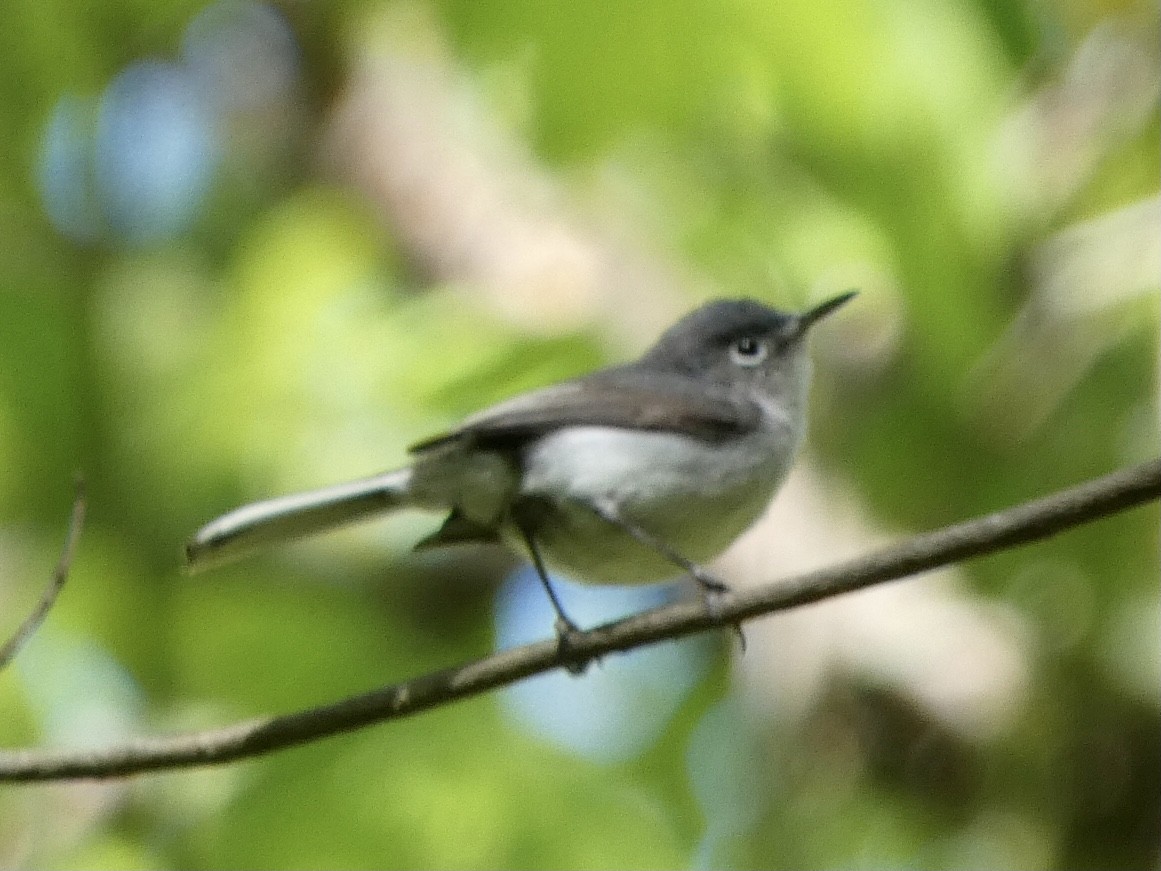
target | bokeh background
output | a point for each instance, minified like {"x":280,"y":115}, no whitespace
{"x":248,"y":247}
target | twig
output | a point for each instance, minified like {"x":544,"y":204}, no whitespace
{"x":1015,"y":526}
{"x":59,"y":576}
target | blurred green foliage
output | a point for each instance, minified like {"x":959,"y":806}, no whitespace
{"x":296,"y":332}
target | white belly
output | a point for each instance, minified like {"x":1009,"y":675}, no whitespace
{"x":696,"y":496}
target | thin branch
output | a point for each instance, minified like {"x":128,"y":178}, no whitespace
{"x":1031,"y":521}
{"x":59,"y":576}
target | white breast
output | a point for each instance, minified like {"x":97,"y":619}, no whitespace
{"x":695,"y":495}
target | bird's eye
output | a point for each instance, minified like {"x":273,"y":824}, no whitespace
{"x":748,"y":351}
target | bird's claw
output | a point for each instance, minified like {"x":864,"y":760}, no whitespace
{"x":566,"y":631}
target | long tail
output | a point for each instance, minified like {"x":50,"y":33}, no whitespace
{"x":274,"y":521}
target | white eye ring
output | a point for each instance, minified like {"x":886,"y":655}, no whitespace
{"x":748,"y":351}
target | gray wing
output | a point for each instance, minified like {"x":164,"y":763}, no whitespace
{"x":609,"y":399}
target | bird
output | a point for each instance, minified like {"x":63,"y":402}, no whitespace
{"x":631,"y":474}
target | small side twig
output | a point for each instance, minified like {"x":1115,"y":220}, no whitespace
{"x":60,"y":576}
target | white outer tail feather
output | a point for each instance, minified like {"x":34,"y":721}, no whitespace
{"x":273,"y":521}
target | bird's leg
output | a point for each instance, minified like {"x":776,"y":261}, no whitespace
{"x":564,"y":627}
{"x":608,"y":511}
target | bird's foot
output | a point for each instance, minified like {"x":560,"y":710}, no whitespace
{"x":566,"y":633}
{"x":711,"y":592}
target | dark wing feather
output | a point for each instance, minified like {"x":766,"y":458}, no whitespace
{"x":606,"y":399}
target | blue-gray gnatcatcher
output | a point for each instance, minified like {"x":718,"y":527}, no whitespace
{"x":626,"y":475}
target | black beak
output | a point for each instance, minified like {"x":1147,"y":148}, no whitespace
{"x":809,"y":318}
